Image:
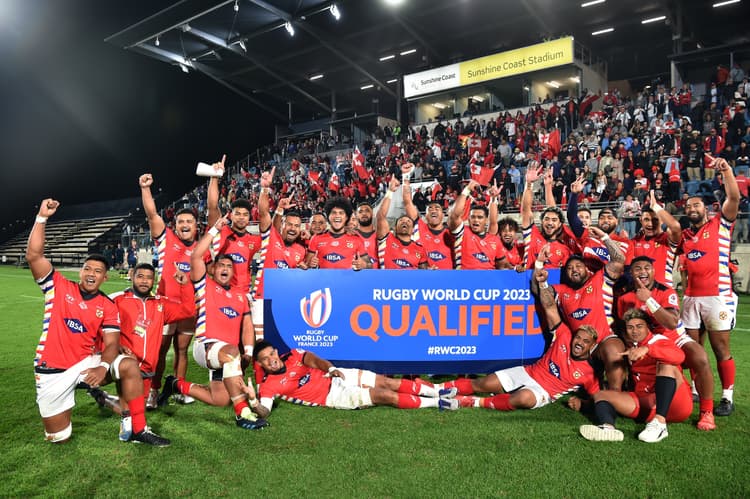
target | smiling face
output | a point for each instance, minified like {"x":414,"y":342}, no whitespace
{"x":551,"y":224}
{"x":581,"y":344}
{"x":291,"y":228}
{"x":364,"y":215}
{"x":695,"y":209}
{"x":478,"y":221}
{"x":643,"y":271}
{"x":186,"y":227}
{"x":317,"y":224}
{"x":434,"y":215}
{"x":337,"y":219}
{"x":576,"y":272}
{"x":92,"y":275}
{"x":607,"y":221}
{"x":269,"y":360}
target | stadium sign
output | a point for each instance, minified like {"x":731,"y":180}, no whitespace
{"x":395,"y":321}
{"x":512,"y":62}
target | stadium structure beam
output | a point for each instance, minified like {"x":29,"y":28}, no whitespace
{"x":325,"y":43}
{"x":437,"y":58}
{"x":167,"y":56}
{"x":218,"y":42}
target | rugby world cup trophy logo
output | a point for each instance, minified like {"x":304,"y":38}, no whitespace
{"x":316,"y":308}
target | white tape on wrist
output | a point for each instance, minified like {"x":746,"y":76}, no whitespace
{"x":41,"y":220}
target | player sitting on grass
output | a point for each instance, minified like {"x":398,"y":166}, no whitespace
{"x":660,"y":393}
{"x":304,"y":378}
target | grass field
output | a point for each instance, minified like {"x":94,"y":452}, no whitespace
{"x":372,"y":453}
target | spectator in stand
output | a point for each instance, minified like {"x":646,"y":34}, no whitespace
{"x":631,"y":210}
{"x":132,"y":254}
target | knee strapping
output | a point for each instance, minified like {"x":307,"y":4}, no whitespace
{"x":115,"y":369}
{"x":232,"y":368}
{"x":59,"y":436}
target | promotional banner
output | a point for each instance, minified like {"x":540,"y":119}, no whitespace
{"x":512,"y":62}
{"x":397,"y":321}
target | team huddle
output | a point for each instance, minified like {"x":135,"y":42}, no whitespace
{"x":618,"y":338}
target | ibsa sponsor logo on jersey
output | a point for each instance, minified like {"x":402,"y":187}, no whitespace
{"x":315,"y":308}
{"x":75,"y":326}
{"x":334,"y":257}
{"x":402,"y":263}
{"x":580,"y":313}
{"x":481,"y":257}
{"x":601,"y":252}
{"x":281,"y":264}
{"x":554,"y":369}
{"x":229,"y":312}
{"x":237,"y":258}
{"x":695,"y":255}
{"x":184,"y":266}
{"x":303,"y":380}
{"x":435,"y":256}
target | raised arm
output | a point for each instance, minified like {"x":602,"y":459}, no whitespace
{"x":494,"y":192}
{"x":573,"y":219}
{"x":616,"y":265}
{"x":197,"y":265}
{"x":212,"y":197}
{"x":456,"y":216}
{"x":264,"y":209}
{"x":411,"y":210}
{"x":549,"y":181}
{"x":527,"y":199}
{"x":731,"y":205}
{"x":38,"y":263}
{"x":382,"y":227}
{"x":155,"y":222}
{"x":542,"y":290}
{"x":674,"y":230}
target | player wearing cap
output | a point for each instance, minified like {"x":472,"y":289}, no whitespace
{"x":79,"y":321}
{"x":223,"y":321}
{"x":593,"y":249}
{"x":336,"y":248}
{"x":174,"y":247}
{"x":302,"y":377}
{"x":396,"y":249}
{"x":660,"y":393}
{"x":709,"y":298}
{"x":661,"y":305}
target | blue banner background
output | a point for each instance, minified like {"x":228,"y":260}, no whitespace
{"x":394,"y":321}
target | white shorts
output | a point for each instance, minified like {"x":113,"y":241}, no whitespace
{"x":199,"y":353}
{"x":55,"y":392}
{"x":352,"y":392}
{"x":516,"y":378}
{"x":185,"y":326}
{"x":715,"y":312}
{"x":256,"y":310}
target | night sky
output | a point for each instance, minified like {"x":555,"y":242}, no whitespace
{"x":81,"y":119}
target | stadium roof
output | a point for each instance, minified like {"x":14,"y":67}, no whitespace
{"x":247,"y":46}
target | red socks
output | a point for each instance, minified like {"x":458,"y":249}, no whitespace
{"x":499,"y":402}
{"x":239,"y":405}
{"x":406,"y":401}
{"x":183,"y":386}
{"x":726,"y":373}
{"x":462,"y":384}
{"x":137,"y":408}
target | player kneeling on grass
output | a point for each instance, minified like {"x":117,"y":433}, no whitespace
{"x":563,"y":368}
{"x":223,"y":320}
{"x":79,"y":320}
{"x":304,"y":378}
{"x":660,"y":393}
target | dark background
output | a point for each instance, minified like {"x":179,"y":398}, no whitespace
{"x":81,"y":119}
